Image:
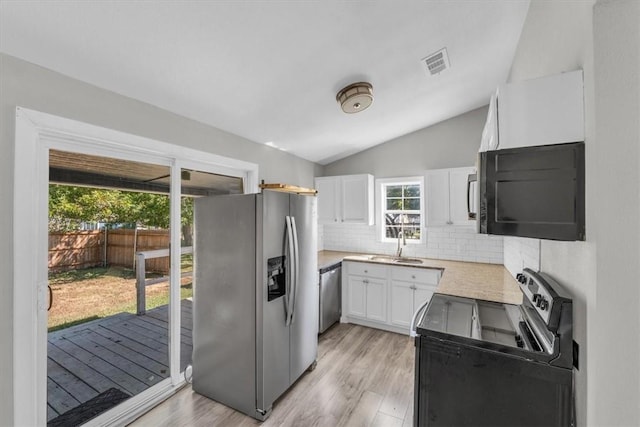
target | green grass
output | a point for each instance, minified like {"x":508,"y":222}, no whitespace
{"x":89,"y":274}
{"x":84,"y":295}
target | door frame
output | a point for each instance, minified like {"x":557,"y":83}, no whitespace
{"x":36,"y":134}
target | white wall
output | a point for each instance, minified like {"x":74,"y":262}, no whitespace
{"x":521,"y":253}
{"x":563,"y":36}
{"x":558,"y":37}
{"x":614,"y":327}
{"x":24,"y":84}
{"x":449,"y":144}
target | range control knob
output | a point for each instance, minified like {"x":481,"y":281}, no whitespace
{"x":544,"y":304}
{"x":521,"y":278}
{"x":536,"y":299}
{"x":519,"y":341}
{"x":539,"y":301}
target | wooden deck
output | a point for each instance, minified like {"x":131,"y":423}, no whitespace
{"x":123,"y":351}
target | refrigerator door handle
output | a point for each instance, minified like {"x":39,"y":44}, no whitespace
{"x":296,"y":275}
{"x":290,"y":272}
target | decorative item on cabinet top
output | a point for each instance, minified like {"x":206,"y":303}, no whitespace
{"x":287,"y":188}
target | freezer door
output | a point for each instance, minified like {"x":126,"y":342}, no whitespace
{"x":304,"y":326}
{"x":224,"y":318}
{"x":272,"y":338}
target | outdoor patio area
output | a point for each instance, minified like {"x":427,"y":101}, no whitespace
{"x":125,"y":351}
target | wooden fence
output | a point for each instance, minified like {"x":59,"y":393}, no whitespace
{"x":84,"y":249}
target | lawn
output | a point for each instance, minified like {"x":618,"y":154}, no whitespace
{"x":83,"y":295}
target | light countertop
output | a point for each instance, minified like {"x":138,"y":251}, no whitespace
{"x":490,"y":282}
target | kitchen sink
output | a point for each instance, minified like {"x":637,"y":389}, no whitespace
{"x":396,"y":260}
{"x":408,"y":261}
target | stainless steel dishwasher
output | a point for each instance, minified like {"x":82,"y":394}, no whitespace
{"x":330,"y":296}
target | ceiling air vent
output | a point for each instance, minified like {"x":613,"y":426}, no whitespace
{"x":437,"y":62}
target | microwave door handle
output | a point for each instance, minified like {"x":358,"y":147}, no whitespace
{"x":296,"y":272}
{"x":470,"y":179}
{"x":290,"y":272}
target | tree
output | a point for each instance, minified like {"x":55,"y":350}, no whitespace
{"x":69,"y":206}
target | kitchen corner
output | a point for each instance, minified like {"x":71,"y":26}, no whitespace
{"x":489,"y":282}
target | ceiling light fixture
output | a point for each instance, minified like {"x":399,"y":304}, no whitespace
{"x":356,"y":97}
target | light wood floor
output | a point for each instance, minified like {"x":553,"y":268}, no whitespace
{"x":364,"y":377}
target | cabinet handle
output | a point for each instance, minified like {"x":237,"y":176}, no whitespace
{"x":413,"y":276}
{"x":450,"y":222}
{"x":335,"y":219}
{"x":366,"y":271}
{"x":342,"y":220}
{"x":365,"y":281}
{"x":413,"y":287}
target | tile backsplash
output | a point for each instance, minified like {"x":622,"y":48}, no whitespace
{"x":459,"y":243}
{"x":521,"y":252}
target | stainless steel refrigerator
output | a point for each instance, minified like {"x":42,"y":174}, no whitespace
{"x":255,"y":328}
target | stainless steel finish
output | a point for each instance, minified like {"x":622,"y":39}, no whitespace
{"x":404,"y":243}
{"x":417,"y":318}
{"x":296,"y":271}
{"x":290,"y":272}
{"x":276,"y":339}
{"x":395,"y":259}
{"x":541,"y":333}
{"x":330,"y":297}
{"x":304,"y":328}
{"x":245,"y":353}
{"x":224,"y":327}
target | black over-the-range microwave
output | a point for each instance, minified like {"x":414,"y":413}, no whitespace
{"x":531,"y":192}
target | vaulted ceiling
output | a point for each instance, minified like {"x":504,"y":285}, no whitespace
{"x":270,"y":71}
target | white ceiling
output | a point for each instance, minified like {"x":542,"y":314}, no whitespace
{"x":269,"y":71}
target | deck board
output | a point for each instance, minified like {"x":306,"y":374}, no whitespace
{"x":124,"y":351}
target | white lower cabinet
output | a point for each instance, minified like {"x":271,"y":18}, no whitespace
{"x":401,"y":303}
{"x":368,"y":287}
{"x":366,"y":296}
{"x":376,"y":300}
{"x":406,"y":298}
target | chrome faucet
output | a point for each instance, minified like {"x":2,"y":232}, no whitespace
{"x":404,"y":242}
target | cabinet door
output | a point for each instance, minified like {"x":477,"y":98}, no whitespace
{"x":356,"y":199}
{"x":437,"y":197}
{"x":327,"y":199}
{"x":458,"y":178}
{"x":401,"y":303}
{"x":357,"y":297}
{"x":546,"y":110}
{"x":489,"y":139}
{"x":376,"y":300}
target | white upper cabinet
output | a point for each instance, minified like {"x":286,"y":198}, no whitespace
{"x":547,"y":110}
{"x":346,"y":199}
{"x":446,"y":196}
{"x":489,"y":139}
{"x":327,"y":199}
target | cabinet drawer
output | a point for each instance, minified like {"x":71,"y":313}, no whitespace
{"x":365,"y":269}
{"x":418,"y":275}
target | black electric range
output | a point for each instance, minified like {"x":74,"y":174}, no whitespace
{"x":481,"y":363}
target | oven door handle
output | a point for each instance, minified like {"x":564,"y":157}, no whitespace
{"x":417,"y":318}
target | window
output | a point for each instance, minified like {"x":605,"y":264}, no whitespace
{"x":400,"y":208}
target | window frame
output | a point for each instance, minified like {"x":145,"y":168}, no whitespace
{"x":381,"y":202}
